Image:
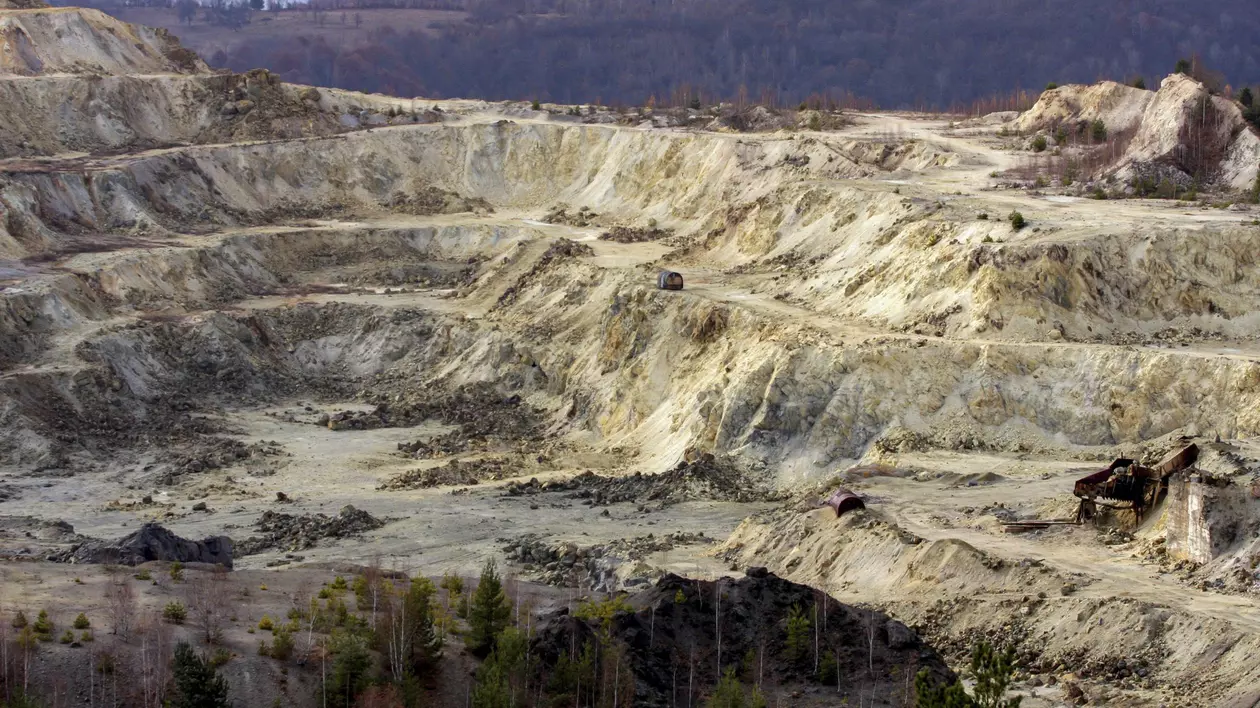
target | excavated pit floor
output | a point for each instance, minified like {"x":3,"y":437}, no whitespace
{"x":661,"y":357}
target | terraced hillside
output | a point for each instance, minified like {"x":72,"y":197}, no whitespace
{"x":226,"y":298}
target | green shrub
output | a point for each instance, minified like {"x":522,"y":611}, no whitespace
{"x":265,"y":624}
{"x":536,"y":105}
{"x":175,"y":612}
{"x":282,"y":648}
{"x":144,"y":574}
{"x":67,"y":637}
{"x":19,"y":620}
{"x":828,"y":669}
{"x":264,"y":649}
{"x":339,"y":583}
{"x":43,"y":625}
{"x":177,"y":572}
{"x":983,"y":216}
{"x":1139,"y":83}
{"x":86,"y":637}
{"x":1060,"y":136}
{"x":1051,"y":86}
{"x":1039,"y":143}
{"x":220,"y":657}
{"x":81,"y":622}
{"x":1183,"y":66}
{"x":1017,"y":220}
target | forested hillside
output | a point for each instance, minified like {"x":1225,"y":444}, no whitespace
{"x":897,"y":52}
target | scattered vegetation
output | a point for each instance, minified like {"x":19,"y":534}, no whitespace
{"x":1039,"y":143}
{"x":1017,"y":220}
{"x":81,"y":622}
{"x":175,"y":612}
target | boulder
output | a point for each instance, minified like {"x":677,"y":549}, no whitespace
{"x":153,"y":542}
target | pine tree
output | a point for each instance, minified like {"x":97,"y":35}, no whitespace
{"x":729,"y":692}
{"x":992,"y":671}
{"x":798,"y":641}
{"x":426,"y":641}
{"x":492,"y":689}
{"x":488,"y":612}
{"x":1245,"y":97}
{"x":197,"y":684}
{"x":929,"y":694}
{"x":351,"y":664}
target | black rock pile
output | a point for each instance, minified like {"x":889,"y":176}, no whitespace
{"x":153,"y":542}
{"x":290,"y":532}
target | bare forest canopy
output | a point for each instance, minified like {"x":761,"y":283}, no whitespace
{"x":900,"y":53}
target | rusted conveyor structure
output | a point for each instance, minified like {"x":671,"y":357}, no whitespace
{"x":1127,"y":485}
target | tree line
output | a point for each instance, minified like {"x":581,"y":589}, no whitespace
{"x":915,"y":54}
{"x":378,"y":641}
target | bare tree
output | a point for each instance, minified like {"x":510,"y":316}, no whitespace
{"x":153,"y":659}
{"x":121,"y":603}
{"x":208,"y":598}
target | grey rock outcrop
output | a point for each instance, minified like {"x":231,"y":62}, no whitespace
{"x":153,"y":542}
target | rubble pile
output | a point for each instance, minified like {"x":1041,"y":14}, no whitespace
{"x":593,"y":567}
{"x":480,"y":411}
{"x":214,"y":453}
{"x":560,"y":249}
{"x":485,"y":419}
{"x":560,"y":214}
{"x":634,"y":234}
{"x":704,"y":478}
{"x":430,"y":200}
{"x":455,"y":472}
{"x":290,"y":532}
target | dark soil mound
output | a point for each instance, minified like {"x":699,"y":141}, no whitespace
{"x":154,"y":542}
{"x":673,"y":627}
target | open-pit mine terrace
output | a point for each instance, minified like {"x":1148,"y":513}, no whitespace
{"x":224,"y":298}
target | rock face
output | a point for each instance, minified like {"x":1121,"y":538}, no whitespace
{"x":1181,"y":129}
{"x":154,"y":542}
{"x":679,"y":614}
